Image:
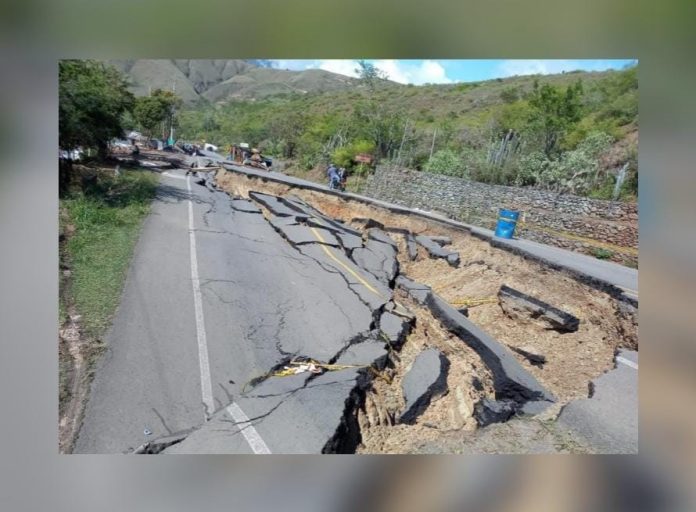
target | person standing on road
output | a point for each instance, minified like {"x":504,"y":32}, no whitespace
{"x":334,"y":178}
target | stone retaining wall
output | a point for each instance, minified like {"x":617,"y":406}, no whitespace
{"x":602,"y":228}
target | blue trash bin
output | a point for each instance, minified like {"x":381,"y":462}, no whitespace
{"x":507,"y":220}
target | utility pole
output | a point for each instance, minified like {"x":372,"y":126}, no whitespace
{"x":432,"y":146}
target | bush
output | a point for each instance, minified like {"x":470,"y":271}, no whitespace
{"x":510,"y":94}
{"x":602,"y":254}
{"x":447,"y":162}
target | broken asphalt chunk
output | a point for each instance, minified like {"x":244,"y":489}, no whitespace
{"x":441,"y":240}
{"x":453,"y":259}
{"x":276,"y":206}
{"x":510,"y":379}
{"x":436,"y":251}
{"x":489,"y":411}
{"x":279,"y":222}
{"x":419,"y":292}
{"x":425,"y":381}
{"x":349,"y":241}
{"x":380,"y":236}
{"x":532,"y":355}
{"x":395,"y":328}
{"x":379,"y":259}
{"x":411,"y":247}
{"x":297,"y":234}
{"x":369,"y":352}
{"x":521,"y":306}
{"x":244,"y":205}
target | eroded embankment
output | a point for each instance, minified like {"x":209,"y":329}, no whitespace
{"x":571,"y":359}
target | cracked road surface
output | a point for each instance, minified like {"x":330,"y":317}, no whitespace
{"x":171,"y":364}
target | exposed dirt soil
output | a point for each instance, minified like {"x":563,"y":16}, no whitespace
{"x":72,"y":353}
{"x":573,"y":359}
{"x":468,"y":381}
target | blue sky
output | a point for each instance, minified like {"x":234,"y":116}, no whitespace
{"x":450,"y":71}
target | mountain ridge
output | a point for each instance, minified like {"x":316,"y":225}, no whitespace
{"x":222,"y":80}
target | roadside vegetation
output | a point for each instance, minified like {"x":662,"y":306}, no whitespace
{"x":100,"y":218}
{"x":104,"y":220}
{"x":101,"y":210}
{"x":571,"y":133}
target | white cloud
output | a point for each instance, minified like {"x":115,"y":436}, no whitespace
{"x":409,"y":72}
{"x":342,"y":67}
{"x":402,"y":71}
{"x":545,"y":67}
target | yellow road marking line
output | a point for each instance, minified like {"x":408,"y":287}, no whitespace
{"x":333,"y":257}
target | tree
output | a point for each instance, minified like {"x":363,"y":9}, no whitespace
{"x":156,"y":111}
{"x":93,"y":99}
{"x":372,"y":121}
{"x":553,"y":113}
{"x":369,"y":74}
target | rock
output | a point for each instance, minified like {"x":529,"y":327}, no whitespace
{"x":489,"y":411}
{"x":463,"y":412}
{"x":395,"y":328}
{"x":453,"y":259}
{"x":425,"y":381}
{"x":516,"y":304}
{"x":411,"y":247}
{"x":531,"y":354}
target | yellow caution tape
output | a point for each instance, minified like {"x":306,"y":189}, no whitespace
{"x":471,"y":302}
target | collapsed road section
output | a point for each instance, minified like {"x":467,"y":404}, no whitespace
{"x":335,"y":326}
{"x":422,"y":362}
{"x":518,"y":335}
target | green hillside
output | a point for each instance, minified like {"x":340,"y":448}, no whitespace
{"x":572,"y":133}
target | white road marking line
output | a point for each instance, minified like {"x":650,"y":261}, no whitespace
{"x":627,"y":362}
{"x":206,"y":384}
{"x":255,"y":441}
{"x":248,"y":431}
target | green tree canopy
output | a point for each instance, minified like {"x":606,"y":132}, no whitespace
{"x":369,"y":74}
{"x":554,"y":112}
{"x":92,"y":100}
{"x":156,"y":111}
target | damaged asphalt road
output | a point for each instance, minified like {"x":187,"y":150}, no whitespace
{"x":172,"y":364}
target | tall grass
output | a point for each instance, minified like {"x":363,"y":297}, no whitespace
{"x":106,"y":217}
